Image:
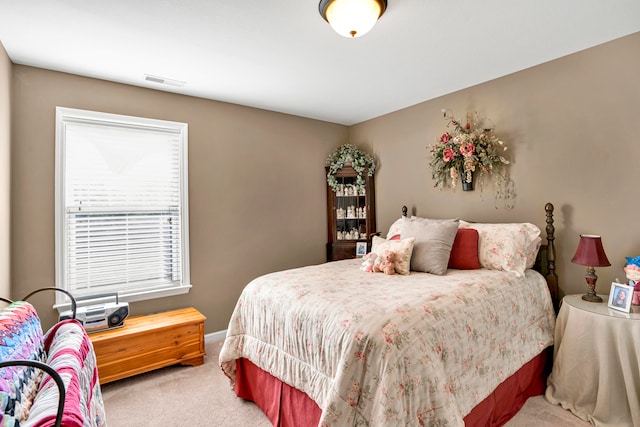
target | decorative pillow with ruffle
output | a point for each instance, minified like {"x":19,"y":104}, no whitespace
{"x":509,"y":246}
{"x":403,"y":249}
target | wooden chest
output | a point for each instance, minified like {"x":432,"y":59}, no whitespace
{"x":150,"y":342}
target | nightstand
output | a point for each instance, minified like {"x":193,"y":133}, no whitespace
{"x":596,"y":369}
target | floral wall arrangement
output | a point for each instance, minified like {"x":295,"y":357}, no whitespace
{"x":469,"y":150}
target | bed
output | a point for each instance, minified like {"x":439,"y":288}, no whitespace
{"x":331,"y":345}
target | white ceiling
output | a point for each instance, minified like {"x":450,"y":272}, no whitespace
{"x":281,"y":55}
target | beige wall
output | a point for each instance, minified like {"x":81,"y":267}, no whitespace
{"x":256,"y":186}
{"x":571,"y":128}
{"x":257,"y":183}
{"x":5,"y":173}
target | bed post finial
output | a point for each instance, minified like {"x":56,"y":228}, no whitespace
{"x":552,"y":277}
{"x":404,"y":211}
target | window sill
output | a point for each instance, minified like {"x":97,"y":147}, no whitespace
{"x":136,"y":296}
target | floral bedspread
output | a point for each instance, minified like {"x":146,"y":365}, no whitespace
{"x":375,"y":350}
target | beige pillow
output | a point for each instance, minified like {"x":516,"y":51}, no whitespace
{"x":402,"y":248}
{"x":433,"y":241}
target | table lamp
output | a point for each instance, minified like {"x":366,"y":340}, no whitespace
{"x":591,"y":253}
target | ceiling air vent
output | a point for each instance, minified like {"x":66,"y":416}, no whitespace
{"x":163,"y":80}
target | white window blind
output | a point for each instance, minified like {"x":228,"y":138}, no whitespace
{"x":121,"y":205}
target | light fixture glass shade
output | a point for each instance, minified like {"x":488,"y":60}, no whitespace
{"x":352,"y":18}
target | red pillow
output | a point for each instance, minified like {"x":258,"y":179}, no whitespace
{"x":464,"y":252}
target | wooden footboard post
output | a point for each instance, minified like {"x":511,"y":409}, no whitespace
{"x":552,"y":277}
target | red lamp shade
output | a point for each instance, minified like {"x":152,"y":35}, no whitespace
{"x":590,"y":252}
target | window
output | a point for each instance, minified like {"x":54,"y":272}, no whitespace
{"x":121,"y":206}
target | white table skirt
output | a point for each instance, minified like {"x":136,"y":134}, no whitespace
{"x":596,"y":367}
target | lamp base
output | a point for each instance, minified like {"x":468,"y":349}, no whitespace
{"x":591,"y":298}
{"x":591,"y":278}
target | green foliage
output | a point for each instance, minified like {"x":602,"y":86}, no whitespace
{"x":359,"y":160}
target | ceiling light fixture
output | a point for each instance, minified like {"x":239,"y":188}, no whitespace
{"x":164,"y":80}
{"x":352,"y":18}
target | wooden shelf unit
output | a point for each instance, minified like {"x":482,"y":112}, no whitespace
{"x":150,"y":342}
{"x":338,"y":248}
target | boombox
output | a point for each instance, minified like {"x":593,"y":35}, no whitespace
{"x":98,"y":317}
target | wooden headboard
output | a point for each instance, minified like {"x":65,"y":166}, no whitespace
{"x":546,"y":259}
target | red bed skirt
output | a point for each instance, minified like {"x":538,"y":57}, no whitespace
{"x":286,"y":406}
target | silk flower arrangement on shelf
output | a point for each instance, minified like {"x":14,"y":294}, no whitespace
{"x":350,"y":155}
{"x":465,"y":150}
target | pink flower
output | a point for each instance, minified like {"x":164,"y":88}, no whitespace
{"x":445,"y":138}
{"x":467,"y":149}
{"x":448,"y":154}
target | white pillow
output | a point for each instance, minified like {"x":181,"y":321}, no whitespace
{"x":403,"y":249}
{"x":533,"y":252}
{"x":433,"y":241}
{"x":394,"y":230}
{"x":419,"y":218}
{"x":510,"y":247}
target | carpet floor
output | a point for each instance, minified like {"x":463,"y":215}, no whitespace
{"x":201,"y":396}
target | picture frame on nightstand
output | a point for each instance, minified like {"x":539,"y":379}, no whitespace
{"x":361,"y":249}
{"x":620,"y":297}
